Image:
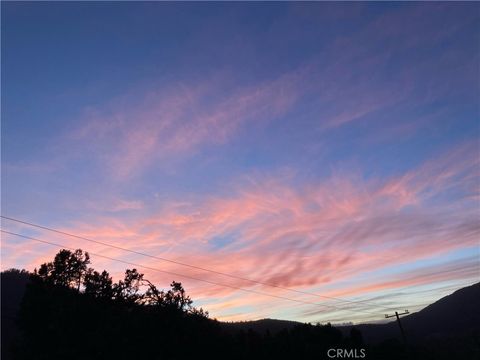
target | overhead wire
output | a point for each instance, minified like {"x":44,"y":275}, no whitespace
{"x":189,"y":276}
{"x":362,"y":302}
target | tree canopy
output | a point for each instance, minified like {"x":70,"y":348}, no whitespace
{"x":72,"y":311}
{"x":70,"y":269}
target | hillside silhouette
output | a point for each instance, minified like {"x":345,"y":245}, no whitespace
{"x":453,"y":315}
{"x":447,"y":329}
{"x":274,"y":326}
{"x":66,"y":309}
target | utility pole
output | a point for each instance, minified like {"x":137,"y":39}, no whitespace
{"x":399,"y":323}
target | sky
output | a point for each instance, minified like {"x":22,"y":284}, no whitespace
{"x":329,"y":149}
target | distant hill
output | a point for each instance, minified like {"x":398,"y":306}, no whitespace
{"x":261,"y":326}
{"x":453,"y":315}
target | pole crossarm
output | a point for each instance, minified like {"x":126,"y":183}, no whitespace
{"x":397,"y":315}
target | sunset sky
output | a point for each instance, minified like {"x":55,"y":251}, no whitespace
{"x":330,"y":148}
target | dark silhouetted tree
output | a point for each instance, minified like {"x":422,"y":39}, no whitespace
{"x":177,"y":298}
{"x":67,"y":269}
{"x":128,"y":289}
{"x":356,"y":337}
{"x":97,"y":284}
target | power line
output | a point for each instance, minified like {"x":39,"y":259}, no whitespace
{"x":362,"y":302}
{"x":186,"y":276}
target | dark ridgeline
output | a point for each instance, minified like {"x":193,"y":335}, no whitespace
{"x":67,"y":310}
{"x":447,"y":329}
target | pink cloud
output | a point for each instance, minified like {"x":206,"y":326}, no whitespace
{"x":177,"y":120}
{"x":307,"y":237}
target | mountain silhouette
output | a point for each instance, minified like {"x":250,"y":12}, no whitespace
{"x":452,"y":315}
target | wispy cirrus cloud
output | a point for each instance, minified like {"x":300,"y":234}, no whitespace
{"x":308,"y":236}
{"x":349,"y":80}
{"x":177,"y":120}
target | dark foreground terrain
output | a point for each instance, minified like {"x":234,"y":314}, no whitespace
{"x":66,"y":310}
